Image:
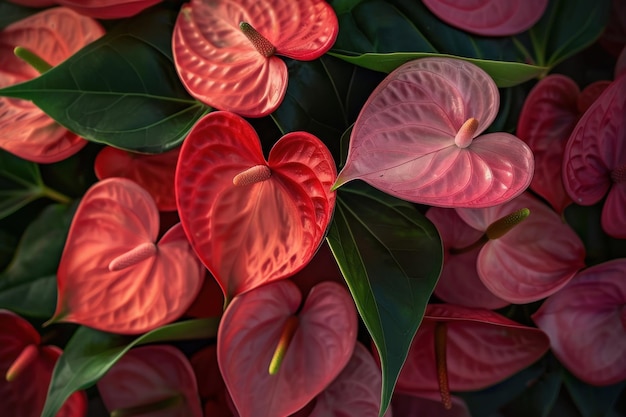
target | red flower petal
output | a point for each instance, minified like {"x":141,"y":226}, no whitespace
{"x":489,"y":17}
{"x":586,"y":323}
{"x":483,"y":348}
{"x":54,"y":35}
{"x":150,"y":375}
{"x":220,"y":66}
{"x":594,"y":162}
{"x":320,"y":348}
{"x":211,"y":386}
{"x":100,"y":288}
{"x":108,"y":9}
{"x":34,"y":3}
{"x":248,"y":235}
{"x":404,"y":141}
{"x":155,"y":173}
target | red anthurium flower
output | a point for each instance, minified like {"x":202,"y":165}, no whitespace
{"x":211,"y":387}
{"x":594,"y":163}
{"x":113,"y":276}
{"x":417,"y":138}
{"x":210,"y":300}
{"x":323,"y":267}
{"x":252,"y":221}
{"x":46,"y":38}
{"x":586,"y":323}
{"x":108,"y":9}
{"x":527,"y":251}
{"x":155,"y":173}
{"x":155,"y":381}
{"x":461,"y":349}
{"x":225,"y":51}
{"x":34,"y":3}
{"x":489,"y":17}
{"x":276,"y":354}
{"x":459,"y":282}
{"x":427,"y":404}
{"x":26,"y":370}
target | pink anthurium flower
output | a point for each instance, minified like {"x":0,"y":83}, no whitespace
{"x":155,"y":381}
{"x":459,"y":282}
{"x":45,"y":39}
{"x":462,"y":349}
{"x":113,"y":276}
{"x":489,"y":17}
{"x":586,"y":323}
{"x":418,"y":138}
{"x":225,"y":51}
{"x":155,"y":173}
{"x":108,"y":9}
{"x":527,"y":251}
{"x":251,"y":221}
{"x":275,"y":354}
{"x":594,"y":162}
{"x":26,"y":370}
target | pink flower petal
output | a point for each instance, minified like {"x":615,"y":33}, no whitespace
{"x":321,"y":346}
{"x":249,"y":235}
{"x":54,"y":35}
{"x":586,"y":323}
{"x":489,"y":17}
{"x":102,"y":286}
{"x":404,"y":140}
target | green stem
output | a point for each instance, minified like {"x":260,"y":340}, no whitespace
{"x":55,"y":195}
{"x":32,"y":59}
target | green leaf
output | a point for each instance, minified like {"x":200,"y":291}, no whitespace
{"x":505,"y":74}
{"x":91,"y":353}
{"x":590,"y":400}
{"x":391,"y":257}
{"x":567,"y":27}
{"x":20,"y":183}
{"x":121,"y":90}
{"x":28,"y":286}
{"x":10,"y":13}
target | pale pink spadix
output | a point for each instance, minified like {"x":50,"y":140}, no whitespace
{"x":418,"y":138}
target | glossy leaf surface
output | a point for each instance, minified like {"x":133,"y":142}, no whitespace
{"x":154,"y":173}
{"x":222,"y":67}
{"x":405,"y":141}
{"x":533,"y":271}
{"x":121,"y":90}
{"x":20,"y":182}
{"x":28,"y":284}
{"x":150,"y":375}
{"x":390,"y":256}
{"x":585,"y":322}
{"x":263,"y":231}
{"x":489,"y":17}
{"x":108,"y":9}
{"x":320,"y":348}
{"x":91,"y":353}
{"x":113,"y":276}
{"x":594,"y":161}
{"x":53,"y":35}
{"x":482,"y":348}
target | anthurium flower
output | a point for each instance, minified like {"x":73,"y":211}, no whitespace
{"x":275,"y":354}
{"x":527,"y":251}
{"x":489,"y":17}
{"x":108,"y":9}
{"x":46,"y":39}
{"x":586,"y":323}
{"x":113,"y":276}
{"x":26,"y":370}
{"x":594,"y":162}
{"x":418,"y":138}
{"x":155,"y":381}
{"x":459,"y":282}
{"x":211,"y":387}
{"x":251,"y":221}
{"x":226,"y":51}
{"x":462,"y":349}
{"x":34,"y":3}
{"x":155,"y":173}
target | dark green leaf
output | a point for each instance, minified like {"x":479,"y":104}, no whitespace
{"x":391,"y":257}
{"x":91,"y":353}
{"x":121,"y":90}
{"x":10,"y":13}
{"x":28,"y":286}
{"x":537,"y":400}
{"x":593,"y":401}
{"x":20,"y":183}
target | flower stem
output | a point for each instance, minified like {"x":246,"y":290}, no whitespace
{"x":55,"y":195}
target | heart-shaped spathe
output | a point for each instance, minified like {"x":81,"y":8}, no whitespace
{"x":320,"y":346}
{"x":269,"y":225}
{"x":112,"y":276}
{"x":417,"y":138}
